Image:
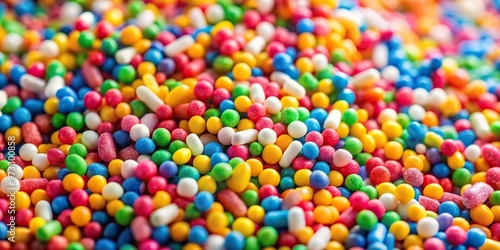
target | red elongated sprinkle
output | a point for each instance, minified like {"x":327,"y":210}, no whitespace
{"x":106,"y":147}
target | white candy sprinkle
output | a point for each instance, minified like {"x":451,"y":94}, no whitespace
{"x":92,"y":120}
{"x":244,"y":137}
{"x":163,"y":216}
{"x":194,"y":144}
{"x":112,"y":191}
{"x":187,"y":187}
{"x":145,"y":19}
{"x":416,"y":112}
{"x":427,"y":227}
{"x":267,"y":136}
{"x":266,"y":30}
{"x":389,"y":200}
{"x":10,"y":184}
{"x":225,"y":135}
{"x":420,"y":97}
{"x":197,"y":18}
{"x":44,"y":210}
{"x":472,"y":152}
{"x":53,"y":85}
{"x":297,"y":129}
{"x":290,"y":153}
{"x":273,"y":105}
{"x":214,"y":13}
{"x":390,"y":73}
{"x":128,"y":168}
{"x":180,"y":45}
{"x":139,"y":131}
{"x":89,"y":139}
{"x":40,"y":162}
{"x":49,"y":49}
{"x":28,"y":151}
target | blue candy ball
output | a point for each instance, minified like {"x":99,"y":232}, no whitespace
{"x":305,"y":25}
{"x":122,"y":139}
{"x":271,"y":203}
{"x":218,"y":158}
{"x":5,"y":122}
{"x":97,"y":169}
{"x":281,"y":61}
{"x":310,"y":150}
{"x":161,"y":234}
{"x":475,"y":238}
{"x":133,"y":184}
{"x":59,"y":204}
{"x":105,"y":244}
{"x":21,"y":116}
{"x":198,"y":235}
{"x":128,"y":198}
{"x":168,"y":169}
{"x":234,"y":240}
{"x":203,"y":201}
{"x":145,"y":146}
{"x":286,"y":183}
{"x":211,"y":148}
{"x":67,"y":104}
{"x":340,"y":80}
{"x":319,"y":180}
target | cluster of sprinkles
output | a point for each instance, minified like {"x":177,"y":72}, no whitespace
{"x":252,"y":124}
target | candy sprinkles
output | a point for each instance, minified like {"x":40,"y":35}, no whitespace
{"x":250,"y":124}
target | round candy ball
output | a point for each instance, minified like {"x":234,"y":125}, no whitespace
{"x":367,"y":220}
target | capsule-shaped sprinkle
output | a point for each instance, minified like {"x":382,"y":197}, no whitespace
{"x":106,"y":147}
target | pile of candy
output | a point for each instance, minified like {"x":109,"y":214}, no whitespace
{"x":253,"y":124}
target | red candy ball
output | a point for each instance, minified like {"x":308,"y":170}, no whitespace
{"x":79,"y":197}
{"x":196,"y":108}
{"x":380,"y":174}
{"x":256,"y":111}
{"x":92,"y":100}
{"x":113,"y":97}
{"x":330,"y":137}
{"x":203,"y":90}
{"x":143,"y":206}
{"x":395,"y":169}
{"x":164,"y":112}
{"x":92,"y":230}
{"x":156,"y":184}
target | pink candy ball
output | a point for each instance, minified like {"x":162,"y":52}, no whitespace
{"x":456,"y":235}
{"x":359,"y":200}
{"x":66,"y":135}
{"x":79,"y":197}
{"x":413,"y":177}
{"x":146,"y":170}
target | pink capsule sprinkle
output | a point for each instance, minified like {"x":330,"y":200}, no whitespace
{"x":106,"y":147}
{"x":140,"y":228}
{"x":348,"y":217}
{"x":455,"y":198}
{"x":31,"y":134}
{"x":429,"y":203}
{"x":32,"y":184}
{"x":91,"y":74}
{"x":232,"y":202}
{"x":477,"y":194}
